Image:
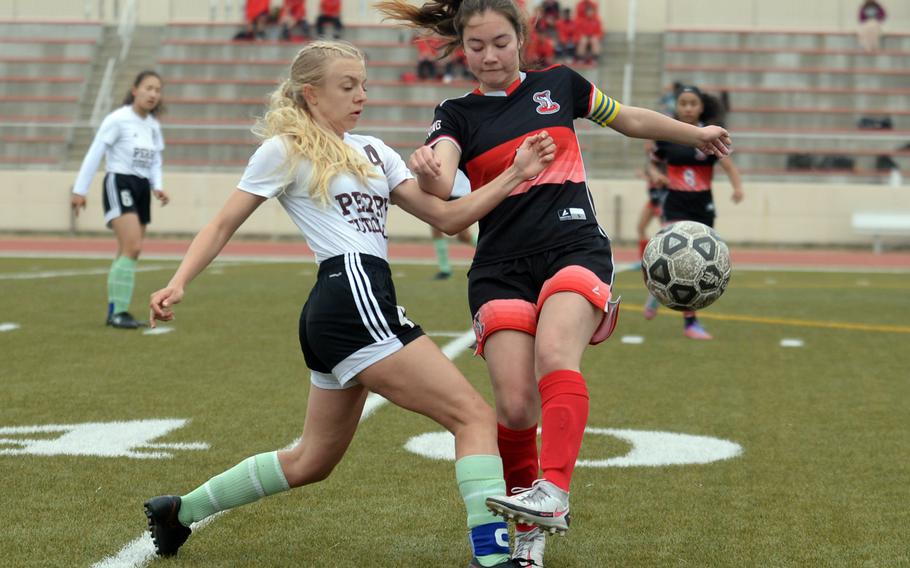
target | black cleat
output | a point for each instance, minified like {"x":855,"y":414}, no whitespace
{"x":510,"y":563}
{"x":123,"y":320}
{"x":164,"y":526}
{"x":442,"y":275}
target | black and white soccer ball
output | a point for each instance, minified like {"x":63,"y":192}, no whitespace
{"x":686,"y":266}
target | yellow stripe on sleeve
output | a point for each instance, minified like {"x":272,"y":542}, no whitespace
{"x":603,"y":109}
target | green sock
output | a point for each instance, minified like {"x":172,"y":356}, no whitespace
{"x":480,"y":477}
{"x":442,"y":254}
{"x":474,"y":239}
{"x":250,"y":480}
{"x":120,"y":282}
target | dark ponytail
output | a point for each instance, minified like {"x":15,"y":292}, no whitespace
{"x":447,"y":18}
{"x":129,"y":99}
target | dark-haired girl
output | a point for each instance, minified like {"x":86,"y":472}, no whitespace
{"x":540,"y":284}
{"x":688,"y":180}
{"x":129,"y":139}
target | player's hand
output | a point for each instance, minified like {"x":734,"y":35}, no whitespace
{"x":77,"y":202}
{"x":161,"y":196}
{"x":535,"y":154}
{"x":660,"y":180}
{"x":714,"y":140}
{"x":424,"y":162}
{"x":161,"y":302}
{"x":738,"y":195}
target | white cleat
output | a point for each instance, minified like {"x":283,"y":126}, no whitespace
{"x":543,"y":505}
{"x":529,"y":546}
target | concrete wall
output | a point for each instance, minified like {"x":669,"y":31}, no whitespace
{"x":651,"y":15}
{"x":773,"y":213}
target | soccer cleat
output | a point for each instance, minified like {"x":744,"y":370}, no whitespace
{"x":543,"y":505}
{"x":651,"y":305}
{"x":442,"y":275}
{"x":164,"y":526}
{"x":696,"y":331}
{"x":510,"y":563}
{"x":529,"y":546}
{"x":123,"y":320}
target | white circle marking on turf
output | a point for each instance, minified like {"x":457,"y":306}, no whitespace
{"x":8,"y":326}
{"x":633,"y":339}
{"x":792,"y":342}
{"x":160,"y":330}
{"x":649,"y":448}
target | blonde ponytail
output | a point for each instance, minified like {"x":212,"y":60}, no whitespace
{"x":288,"y":116}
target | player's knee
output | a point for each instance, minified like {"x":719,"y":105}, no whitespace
{"x":552,"y":355}
{"x":304,"y":468}
{"x":497,"y":315}
{"x":579,"y":280}
{"x":517,"y":409}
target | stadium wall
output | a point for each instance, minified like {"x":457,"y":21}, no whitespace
{"x":651,"y":15}
{"x":773,"y":213}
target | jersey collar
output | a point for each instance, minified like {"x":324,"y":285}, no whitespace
{"x":509,"y":90}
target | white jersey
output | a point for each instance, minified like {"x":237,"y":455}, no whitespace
{"x":129,"y":144}
{"x":355,"y":218}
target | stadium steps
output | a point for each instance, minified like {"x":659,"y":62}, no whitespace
{"x":801,"y":92}
{"x":143,"y":50}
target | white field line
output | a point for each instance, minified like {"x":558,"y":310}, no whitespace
{"x":74,"y":272}
{"x":140,"y":551}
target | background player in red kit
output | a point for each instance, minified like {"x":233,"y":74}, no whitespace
{"x":688,"y":181}
{"x":540,"y":283}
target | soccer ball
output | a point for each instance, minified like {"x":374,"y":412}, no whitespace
{"x":686,"y":266}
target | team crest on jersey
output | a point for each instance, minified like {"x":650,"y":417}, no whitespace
{"x":545,"y":105}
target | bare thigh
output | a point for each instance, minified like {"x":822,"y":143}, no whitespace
{"x":129,"y":232}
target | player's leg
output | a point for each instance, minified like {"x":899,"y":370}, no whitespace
{"x":446,"y":397}
{"x":122,"y":276}
{"x":441,"y":245}
{"x":331,"y":420}
{"x":644,"y":218}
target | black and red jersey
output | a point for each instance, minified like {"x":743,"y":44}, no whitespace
{"x":688,"y":168}
{"x":553,"y":209}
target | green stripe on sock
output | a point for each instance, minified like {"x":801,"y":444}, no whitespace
{"x":442,"y":254}
{"x":120,"y":283}
{"x":250,"y":480}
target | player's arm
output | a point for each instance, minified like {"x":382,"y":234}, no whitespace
{"x":452,"y":217}
{"x":434,"y":166}
{"x":204,"y":248}
{"x":735,"y":179}
{"x":637,"y":122}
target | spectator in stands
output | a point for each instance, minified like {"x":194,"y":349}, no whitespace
{"x":337,"y":187}
{"x":538,"y":286}
{"x":329,"y":13}
{"x":256,"y":16}
{"x":293,"y":20}
{"x":566,"y":36}
{"x":455,"y":64}
{"x":582,"y":7}
{"x":590,"y":34}
{"x":427,"y":56}
{"x":549,"y":12}
{"x":871,"y":17}
{"x":129,"y":139}
{"x":667,"y":102}
{"x":689,"y":179}
{"x":540,"y":52}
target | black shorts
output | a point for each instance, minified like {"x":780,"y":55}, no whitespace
{"x":522,"y":278}
{"x":124,"y":193}
{"x":656,"y":196}
{"x":351,"y":319}
{"x":689,"y":206}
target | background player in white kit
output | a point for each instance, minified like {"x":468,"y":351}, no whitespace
{"x":130,"y":141}
{"x":355,"y":338}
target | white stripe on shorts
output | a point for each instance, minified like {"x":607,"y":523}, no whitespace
{"x":383,"y":324}
{"x":359,"y":301}
{"x":112,"y":198}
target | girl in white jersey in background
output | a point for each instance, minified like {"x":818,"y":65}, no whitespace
{"x":337,"y":188}
{"x":130,"y":142}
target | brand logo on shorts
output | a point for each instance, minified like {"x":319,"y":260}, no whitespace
{"x":335,"y":275}
{"x":545,"y":105}
{"x":572,"y":214}
{"x":596,"y":290}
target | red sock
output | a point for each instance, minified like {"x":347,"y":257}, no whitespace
{"x":564,"y":414}
{"x":518,"y":449}
{"x":642,"y":243}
